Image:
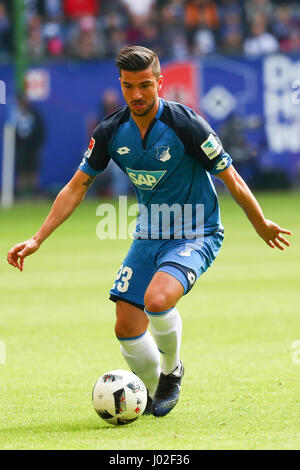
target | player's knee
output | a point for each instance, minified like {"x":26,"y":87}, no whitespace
{"x":158,"y":302}
{"x":123,"y":331}
{"x":126,"y":328}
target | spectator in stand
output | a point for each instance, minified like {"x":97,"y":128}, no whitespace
{"x":286,"y":27}
{"x":294,"y":42}
{"x":175,"y":29}
{"x":87,"y":42}
{"x":53,"y":29}
{"x":54,"y":38}
{"x":116,"y":40}
{"x":36,"y":44}
{"x":170,"y":19}
{"x":200,"y":14}
{"x":46,"y":8}
{"x":260,"y":42}
{"x":139,"y":7}
{"x":31,"y":8}
{"x":232,"y":42}
{"x":204,"y":42}
{"x":135,"y":30}
{"x":232,"y":29}
{"x":113,"y":20}
{"x":152,"y":39}
{"x":29,"y":141}
{"x":255,"y":8}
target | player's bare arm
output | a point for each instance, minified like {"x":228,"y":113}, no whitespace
{"x":269,"y":231}
{"x":65,"y":203}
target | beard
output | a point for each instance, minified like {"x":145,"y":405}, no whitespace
{"x":145,"y":111}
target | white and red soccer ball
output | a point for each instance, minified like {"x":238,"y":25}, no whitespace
{"x":119,"y":397}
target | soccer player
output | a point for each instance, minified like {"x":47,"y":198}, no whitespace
{"x":169,"y":152}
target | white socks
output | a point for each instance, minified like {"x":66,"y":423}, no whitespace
{"x":142,"y":353}
{"x":143,"y":358}
{"x":166,"y":328}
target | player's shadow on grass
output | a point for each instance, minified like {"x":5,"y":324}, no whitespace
{"x":68,"y":427}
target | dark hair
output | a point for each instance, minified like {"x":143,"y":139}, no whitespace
{"x":137,"y":58}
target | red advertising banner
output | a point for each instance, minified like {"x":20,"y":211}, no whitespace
{"x":181,"y":83}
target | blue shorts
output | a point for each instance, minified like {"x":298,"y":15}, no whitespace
{"x":184,"y":259}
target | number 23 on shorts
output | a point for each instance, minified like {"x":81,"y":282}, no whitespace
{"x":122,"y":279}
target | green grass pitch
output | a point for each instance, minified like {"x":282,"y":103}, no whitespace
{"x":240,"y":327}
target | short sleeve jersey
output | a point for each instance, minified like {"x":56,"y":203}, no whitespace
{"x":170,"y":168}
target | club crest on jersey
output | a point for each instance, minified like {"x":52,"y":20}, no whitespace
{"x":88,"y":153}
{"x":162,"y":153}
{"x":145,"y":179}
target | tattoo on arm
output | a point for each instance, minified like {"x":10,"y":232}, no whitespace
{"x":89,"y":181}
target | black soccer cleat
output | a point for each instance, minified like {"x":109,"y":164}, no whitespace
{"x":148,"y":409}
{"x":167,"y":393}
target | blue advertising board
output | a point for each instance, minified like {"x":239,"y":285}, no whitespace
{"x":263,"y":94}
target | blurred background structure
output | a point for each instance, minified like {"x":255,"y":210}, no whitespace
{"x":237,"y":62}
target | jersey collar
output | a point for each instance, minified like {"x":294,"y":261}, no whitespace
{"x":151,"y":125}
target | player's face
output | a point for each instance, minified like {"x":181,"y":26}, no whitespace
{"x":140,"y":90}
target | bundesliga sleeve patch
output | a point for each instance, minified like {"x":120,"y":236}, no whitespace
{"x":211,"y":147}
{"x":88,"y":153}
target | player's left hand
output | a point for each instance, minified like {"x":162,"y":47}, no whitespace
{"x":271,"y":234}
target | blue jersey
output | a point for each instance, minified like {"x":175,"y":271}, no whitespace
{"x":170,"y":168}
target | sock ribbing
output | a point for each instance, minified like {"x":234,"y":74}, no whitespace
{"x":142,"y":356}
{"x":166,"y":328}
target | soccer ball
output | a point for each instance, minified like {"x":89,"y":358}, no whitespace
{"x":119,"y":397}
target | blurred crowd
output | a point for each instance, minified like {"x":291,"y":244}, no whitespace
{"x":92,"y":29}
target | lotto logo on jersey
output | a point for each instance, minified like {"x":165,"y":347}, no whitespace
{"x":123,"y":150}
{"x":88,"y":153}
{"x":222,"y":164}
{"x":211,"y":147}
{"x":145,"y":179}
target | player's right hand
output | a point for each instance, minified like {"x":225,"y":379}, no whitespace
{"x":18,"y":252}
